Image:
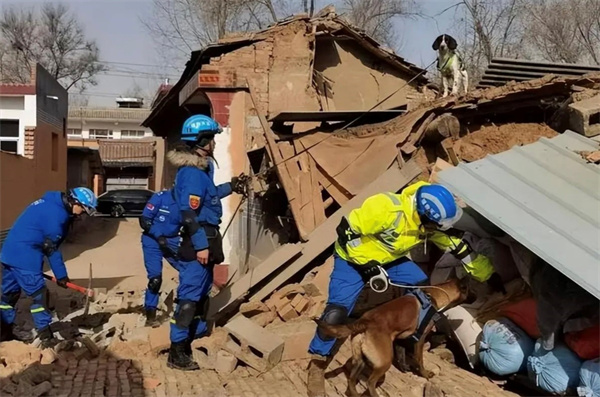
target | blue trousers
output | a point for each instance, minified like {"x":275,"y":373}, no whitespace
{"x":15,"y":280}
{"x":346,"y":284}
{"x":153,"y":262}
{"x":195,"y":282}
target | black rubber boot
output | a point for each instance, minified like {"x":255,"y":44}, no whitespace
{"x":6,"y":332}
{"x":178,"y":359}
{"x":47,"y":337}
{"x":151,"y":320}
{"x":188,"y":347}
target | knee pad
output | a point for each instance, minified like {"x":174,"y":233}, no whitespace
{"x":11,"y":298}
{"x":185,"y":313}
{"x":154,"y":284}
{"x":333,"y":314}
{"x":202,"y":308}
{"x":41,"y":297}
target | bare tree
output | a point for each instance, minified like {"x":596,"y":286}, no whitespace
{"x":376,"y":17}
{"x":490,"y":29}
{"x":567,"y":32}
{"x":181,"y":26}
{"x":53,"y":38}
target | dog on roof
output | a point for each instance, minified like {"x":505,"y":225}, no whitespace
{"x":450,"y":64}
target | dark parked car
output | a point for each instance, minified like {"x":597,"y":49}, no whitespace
{"x":121,"y":202}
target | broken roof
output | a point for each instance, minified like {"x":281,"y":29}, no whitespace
{"x":545,"y":195}
{"x":324,"y":22}
{"x":500,"y":71}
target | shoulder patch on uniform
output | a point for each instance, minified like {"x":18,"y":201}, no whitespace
{"x":150,"y":206}
{"x":194,"y":202}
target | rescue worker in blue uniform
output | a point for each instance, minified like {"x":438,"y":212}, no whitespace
{"x":199,"y":203}
{"x":379,"y":235}
{"x":38,"y":232}
{"x":161,"y":224}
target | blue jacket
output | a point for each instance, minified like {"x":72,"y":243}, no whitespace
{"x":195,"y":190}
{"x":163,"y":213}
{"x":212,"y":210}
{"x":46,"y":218}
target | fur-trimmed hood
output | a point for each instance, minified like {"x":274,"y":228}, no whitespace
{"x":183,"y":157}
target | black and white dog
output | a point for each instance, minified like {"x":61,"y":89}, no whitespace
{"x":450,"y":64}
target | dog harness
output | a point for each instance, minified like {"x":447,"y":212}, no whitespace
{"x":426,"y":314}
{"x":447,"y":65}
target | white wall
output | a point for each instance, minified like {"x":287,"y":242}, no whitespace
{"x":223,"y":174}
{"x":22,"y":108}
{"x":116,"y":126}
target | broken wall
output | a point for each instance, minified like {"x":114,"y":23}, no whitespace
{"x":358,"y":79}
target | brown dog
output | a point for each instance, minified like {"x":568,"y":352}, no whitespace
{"x":373,"y":334}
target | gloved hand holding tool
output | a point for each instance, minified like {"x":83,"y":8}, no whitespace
{"x":65,"y":283}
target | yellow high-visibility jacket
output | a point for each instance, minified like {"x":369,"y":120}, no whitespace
{"x":388,"y":226}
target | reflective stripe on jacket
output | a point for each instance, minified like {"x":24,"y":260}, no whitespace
{"x":389,"y":226}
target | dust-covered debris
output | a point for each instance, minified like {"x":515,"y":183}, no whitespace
{"x":491,"y":139}
{"x":591,"y":157}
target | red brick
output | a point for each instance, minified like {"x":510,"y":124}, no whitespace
{"x":302,"y":304}
{"x":287,"y":313}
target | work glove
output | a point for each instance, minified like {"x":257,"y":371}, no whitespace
{"x":162,"y":243}
{"x":495,"y":282}
{"x":62,"y":282}
{"x":239,"y":184}
{"x":345,"y":233}
{"x":371,"y":269}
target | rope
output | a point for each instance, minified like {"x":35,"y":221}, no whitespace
{"x":350,"y":123}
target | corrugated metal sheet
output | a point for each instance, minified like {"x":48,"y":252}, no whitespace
{"x":127,"y":154}
{"x":108,"y":114}
{"x":501,"y":70}
{"x":545,"y":196}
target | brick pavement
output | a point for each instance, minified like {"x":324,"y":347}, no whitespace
{"x":111,"y":377}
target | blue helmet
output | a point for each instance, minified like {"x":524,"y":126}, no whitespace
{"x":438,"y":205}
{"x":86,"y":198}
{"x":197,"y":127}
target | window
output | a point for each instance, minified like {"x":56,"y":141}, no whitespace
{"x":133,"y":133}
{"x":54,"y":152}
{"x":74,"y":132}
{"x":101,"y":134}
{"x":9,"y":135}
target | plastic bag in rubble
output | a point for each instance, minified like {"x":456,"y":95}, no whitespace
{"x":589,"y":379}
{"x":554,"y":371}
{"x":504,"y":347}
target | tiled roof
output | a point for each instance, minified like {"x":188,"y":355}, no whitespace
{"x":109,"y":113}
{"x":127,"y":153}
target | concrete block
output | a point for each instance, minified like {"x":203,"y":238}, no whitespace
{"x":287,"y":313}
{"x":254,"y":345}
{"x":225,"y":363}
{"x":584,"y":116}
{"x":297,"y":337}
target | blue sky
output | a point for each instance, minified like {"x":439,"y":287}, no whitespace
{"x":124,"y":41}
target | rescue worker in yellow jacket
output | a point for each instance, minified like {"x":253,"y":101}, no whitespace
{"x":380,"y":234}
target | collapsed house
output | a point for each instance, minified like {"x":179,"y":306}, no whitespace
{"x":293,"y":100}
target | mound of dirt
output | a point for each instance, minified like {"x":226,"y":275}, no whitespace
{"x":496,"y":139}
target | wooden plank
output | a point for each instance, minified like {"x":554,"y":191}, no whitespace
{"x":331,"y":188}
{"x":239,"y":288}
{"x":409,"y":146}
{"x":317,"y":200}
{"x":308,"y":214}
{"x":280,"y":167}
{"x":324,"y":235}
